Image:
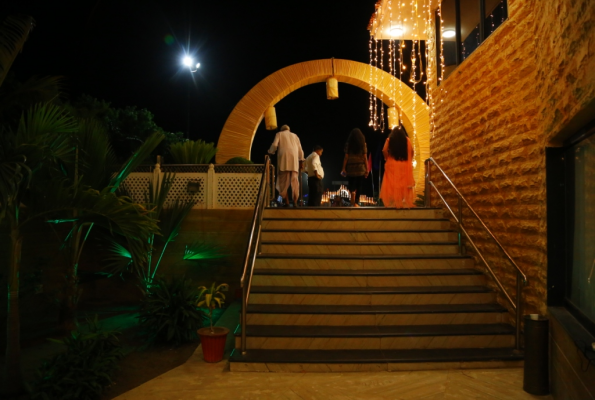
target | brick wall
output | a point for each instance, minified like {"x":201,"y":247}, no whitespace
{"x":523,"y":89}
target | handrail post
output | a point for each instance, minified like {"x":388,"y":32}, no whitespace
{"x":460,"y":223}
{"x":252,"y":249}
{"x":427,"y":199}
{"x":244,"y":306}
{"x":519,"y":290}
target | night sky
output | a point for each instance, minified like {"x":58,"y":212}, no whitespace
{"x":118,"y":51}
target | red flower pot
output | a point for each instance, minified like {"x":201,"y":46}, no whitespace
{"x":213,"y":344}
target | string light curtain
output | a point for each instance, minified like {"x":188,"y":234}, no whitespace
{"x":392,"y":23}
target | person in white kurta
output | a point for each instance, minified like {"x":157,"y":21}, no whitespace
{"x":289,"y":162}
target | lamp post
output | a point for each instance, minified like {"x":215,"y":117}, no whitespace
{"x":193,"y":67}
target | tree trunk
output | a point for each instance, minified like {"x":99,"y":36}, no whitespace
{"x":70,"y":294}
{"x":13,"y":376}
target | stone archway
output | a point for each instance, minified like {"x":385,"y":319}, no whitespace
{"x":238,"y":132}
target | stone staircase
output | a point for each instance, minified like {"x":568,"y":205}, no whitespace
{"x":368,"y":289}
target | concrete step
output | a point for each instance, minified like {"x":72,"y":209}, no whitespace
{"x":425,"y":314}
{"x":292,"y":337}
{"x":346,"y":213}
{"x":358,"y":248}
{"x":365,"y":278}
{"x":350,"y":237}
{"x":373,"y":360}
{"x":411,"y":224}
{"x":371,"y":296}
{"x":363,"y":262}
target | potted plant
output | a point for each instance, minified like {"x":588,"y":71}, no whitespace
{"x":213,"y":338}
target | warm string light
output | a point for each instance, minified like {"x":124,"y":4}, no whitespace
{"x":401,"y":68}
{"x":371,"y":123}
{"x":430,"y":61}
{"x":375,"y":83}
{"x":379,"y":102}
{"x":381,"y":125}
{"x":401,"y":64}
{"x":344,"y":193}
{"x":391,"y":52}
{"x":502,"y":12}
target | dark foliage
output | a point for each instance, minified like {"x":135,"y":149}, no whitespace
{"x":84,"y":370}
{"x":169,"y":312}
{"x":239,"y":160}
{"x":127,"y":127}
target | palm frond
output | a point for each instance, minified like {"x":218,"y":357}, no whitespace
{"x":191,"y":152}
{"x":156,"y":196}
{"x":19,"y":96}
{"x":96,"y":154}
{"x":143,"y":152}
{"x":171,"y":218}
{"x":202,"y":251}
{"x":13,"y":33}
{"x":46,"y":127}
{"x":14,"y":173}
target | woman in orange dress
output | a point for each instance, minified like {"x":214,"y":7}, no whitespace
{"x":398,"y":186}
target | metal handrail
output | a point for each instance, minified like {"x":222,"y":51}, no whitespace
{"x":458,"y":217}
{"x":252,"y":250}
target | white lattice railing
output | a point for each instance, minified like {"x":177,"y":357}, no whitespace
{"x":211,"y":186}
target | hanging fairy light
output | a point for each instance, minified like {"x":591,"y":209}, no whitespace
{"x":371,"y":123}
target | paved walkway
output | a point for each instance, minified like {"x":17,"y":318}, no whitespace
{"x":199,"y":380}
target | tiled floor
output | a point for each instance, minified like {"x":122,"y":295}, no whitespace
{"x":199,"y":380}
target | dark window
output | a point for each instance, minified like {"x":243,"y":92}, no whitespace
{"x":465,"y":25}
{"x":571,"y":226}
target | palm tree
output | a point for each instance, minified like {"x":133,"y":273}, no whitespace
{"x":170,"y":215}
{"x":94,"y":166}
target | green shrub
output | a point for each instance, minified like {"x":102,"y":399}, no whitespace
{"x":191,"y":152}
{"x":169,"y":312}
{"x":238,"y":160}
{"x":84,"y":370}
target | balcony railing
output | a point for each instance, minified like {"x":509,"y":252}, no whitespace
{"x":223,"y":186}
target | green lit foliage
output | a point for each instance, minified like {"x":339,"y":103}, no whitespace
{"x":191,"y":152}
{"x":170,"y":216}
{"x":200,"y":251}
{"x":84,"y":370}
{"x":169,"y":312}
{"x":238,"y":160}
{"x":212,"y":298}
{"x":39,"y":190}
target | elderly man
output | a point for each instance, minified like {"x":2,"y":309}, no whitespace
{"x":289,"y":163}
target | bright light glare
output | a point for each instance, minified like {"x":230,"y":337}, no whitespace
{"x":187,"y":61}
{"x":449,"y":33}
{"x":197,"y":66}
{"x":396,"y":31}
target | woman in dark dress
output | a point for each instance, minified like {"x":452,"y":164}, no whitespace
{"x":355,"y":166}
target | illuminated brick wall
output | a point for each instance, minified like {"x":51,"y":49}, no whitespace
{"x":527,"y":86}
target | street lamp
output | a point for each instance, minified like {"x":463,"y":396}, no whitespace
{"x":189,"y":62}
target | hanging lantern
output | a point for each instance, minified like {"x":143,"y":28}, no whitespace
{"x":393,"y":117}
{"x":332,"y":89}
{"x":270,"y":119}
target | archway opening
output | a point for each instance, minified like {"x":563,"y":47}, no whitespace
{"x":239,"y":130}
